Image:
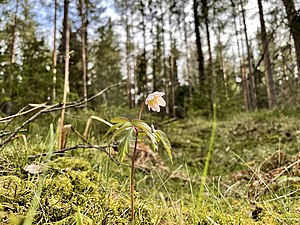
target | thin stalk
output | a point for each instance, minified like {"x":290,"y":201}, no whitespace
{"x":132,"y":165}
{"x":210,"y":149}
{"x":132,"y":177}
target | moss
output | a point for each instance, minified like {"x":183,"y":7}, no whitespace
{"x":71,"y":163}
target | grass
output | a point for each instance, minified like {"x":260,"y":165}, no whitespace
{"x":252,"y":175}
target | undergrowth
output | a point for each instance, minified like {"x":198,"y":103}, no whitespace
{"x":253,"y":175}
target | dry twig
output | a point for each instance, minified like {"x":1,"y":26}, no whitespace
{"x":47,"y":109}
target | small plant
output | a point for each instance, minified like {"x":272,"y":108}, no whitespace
{"x":127,"y":132}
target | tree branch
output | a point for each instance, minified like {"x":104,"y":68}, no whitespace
{"x":47,"y":109}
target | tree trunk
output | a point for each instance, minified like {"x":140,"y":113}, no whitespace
{"x":128,"y":52}
{"x":153,"y":50}
{"x":83,"y":50}
{"x":65,"y":26}
{"x":252,"y":91}
{"x":267,"y":60}
{"x":13,"y":57}
{"x":294,"y":24}
{"x":222,"y":65}
{"x":66,"y":35}
{"x":241,"y":58}
{"x":211,"y":71}
{"x":165,"y":74}
{"x":12,"y":61}
{"x":187,"y":54}
{"x":144,"y":55}
{"x":133,"y":58}
{"x":54,"y":54}
{"x":201,"y":72}
{"x":171,"y":72}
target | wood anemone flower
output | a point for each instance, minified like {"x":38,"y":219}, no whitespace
{"x":155,"y":100}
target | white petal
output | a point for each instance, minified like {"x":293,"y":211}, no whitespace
{"x":150,"y":97}
{"x":157,"y":108}
{"x":157,"y":93}
{"x":161,"y":101}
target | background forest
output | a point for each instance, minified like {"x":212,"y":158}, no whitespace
{"x":241,"y":55}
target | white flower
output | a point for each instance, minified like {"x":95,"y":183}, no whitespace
{"x":155,"y":100}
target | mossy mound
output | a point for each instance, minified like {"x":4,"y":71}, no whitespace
{"x":69,"y":184}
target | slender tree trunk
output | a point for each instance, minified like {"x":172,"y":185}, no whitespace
{"x":211,"y":71}
{"x":171,"y":69}
{"x":165,"y":74}
{"x":252,"y":90}
{"x":201,"y":72}
{"x":133,"y":60}
{"x":83,"y":50}
{"x":66,"y":82}
{"x":241,"y":58}
{"x":267,"y":60}
{"x":247,"y":83}
{"x":172,"y":79}
{"x":187,"y":54}
{"x":134,"y":84}
{"x":54,"y":54}
{"x":294,"y":24}
{"x":144,"y":55}
{"x":14,"y":31}
{"x":65,"y":26}
{"x":222,"y":64}
{"x":12,"y":61}
{"x":128,"y":52}
{"x":154,"y":51}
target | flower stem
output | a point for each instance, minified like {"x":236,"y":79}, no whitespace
{"x":132,"y":177}
{"x":132,"y":165}
{"x":141,"y":110}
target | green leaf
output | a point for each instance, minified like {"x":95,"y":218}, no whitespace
{"x":119,"y":119}
{"x":125,"y":126}
{"x":124,"y":145}
{"x":161,"y":136}
{"x":111,"y":129}
{"x":142,"y":125}
{"x":78,"y":217}
{"x":153,"y":139}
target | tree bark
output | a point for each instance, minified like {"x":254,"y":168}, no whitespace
{"x":201,"y":73}
{"x":154,"y":68}
{"x":13,"y":57}
{"x":222,"y":64}
{"x":165,"y":74}
{"x":12,"y":61}
{"x":83,"y":50}
{"x":187,"y":54}
{"x":54,"y":54}
{"x":211,"y":71}
{"x":144,"y":55}
{"x":241,"y":59}
{"x":270,"y":86}
{"x":66,"y":80}
{"x":128,"y":52}
{"x":252,"y":91}
{"x":171,"y":72}
{"x":65,"y":26}
{"x":294,"y":24}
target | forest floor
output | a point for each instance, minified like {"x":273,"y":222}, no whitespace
{"x":254,"y":174}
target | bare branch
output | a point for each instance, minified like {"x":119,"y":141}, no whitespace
{"x":50,"y":108}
